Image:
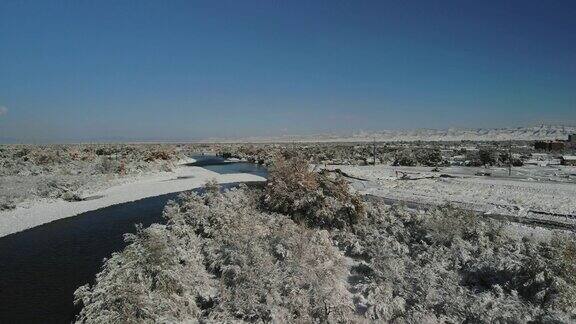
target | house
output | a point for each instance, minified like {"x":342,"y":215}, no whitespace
{"x":571,"y":141}
{"x":568,"y":160}
{"x":550,"y":145}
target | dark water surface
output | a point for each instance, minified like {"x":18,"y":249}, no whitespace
{"x":220,"y":165}
{"x":40,"y":268}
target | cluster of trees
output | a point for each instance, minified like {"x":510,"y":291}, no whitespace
{"x":399,"y":154}
{"x":419,"y":156}
{"x":492,"y":157}
{"x":306,"y":249}
{"x":320,"y":153}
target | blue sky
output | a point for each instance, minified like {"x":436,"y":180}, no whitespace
{"x":85,"y":70}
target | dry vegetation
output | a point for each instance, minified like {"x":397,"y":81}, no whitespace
{"x":394,"y":153}
{"x":292,"y":253}
{"x":64,"y":171}
{"x":317,"y":199}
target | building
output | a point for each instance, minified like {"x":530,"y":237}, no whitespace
{"x":550,"y":145}
{"x":569,"y":160}
{"x":572,"y":141}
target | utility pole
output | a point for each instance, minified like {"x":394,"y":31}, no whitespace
{"x":510,"y":158}
{"x":374,"y":150}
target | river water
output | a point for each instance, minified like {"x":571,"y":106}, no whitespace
{"x":40,"y":268}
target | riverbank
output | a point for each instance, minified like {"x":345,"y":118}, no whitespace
{"x":33,"y":213}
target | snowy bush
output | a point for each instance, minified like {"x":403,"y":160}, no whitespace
{"x":6,"y":203}
{"x":317,"y":199}
{"x":447,"y":265}
{"x":420,"y":156}
{"x":159,"y":277}
{"x":28,"y":168}
{"x":106,"y":165}
{"x":222,"y":258}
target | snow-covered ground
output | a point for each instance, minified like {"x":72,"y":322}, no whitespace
{"x":535,"y":192}
{"x":36,"y":212}
{"x":540,"y":132}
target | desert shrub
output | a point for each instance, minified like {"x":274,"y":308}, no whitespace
{"x":104,"y":151}
{"x":159,"y":154}
{"x":106,"y":165}
{"x":414,"y":157}
{"x":70,"y":196}
{"x":159,"y":277}
{"x":548,"y":275}
{"x":55,"y":188}
{"x":6,"y":203}
{"x":221,"y":259}
{"x":447,"y":265}
{"x":271,"y":269}
{"x":317,"y":199}
{"x":47,"y":157}
{"x":21,"y":153}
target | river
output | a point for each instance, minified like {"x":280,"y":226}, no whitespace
{"x":40,"y":268}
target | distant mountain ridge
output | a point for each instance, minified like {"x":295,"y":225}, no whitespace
{"x":542,"y":132}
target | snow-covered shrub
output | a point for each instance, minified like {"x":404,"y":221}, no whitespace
{"x":447,"y":265}
{"x":106,"y":165}
{"x":6,"y":203}
{"x":158,"y":278}
{"x":269,"y":267}
{"x":221,"y":259}
{"x":52,"y":187}
{"x":316,"y":198}
{"x":418,"y":156}
{"x":159,"y":154}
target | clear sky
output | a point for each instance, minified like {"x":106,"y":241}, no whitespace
{"x":85,"y":70}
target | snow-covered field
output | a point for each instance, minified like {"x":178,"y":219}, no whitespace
{"x":36,"y":212}
{"x":540,"y":132}
{"x":535,"y":192}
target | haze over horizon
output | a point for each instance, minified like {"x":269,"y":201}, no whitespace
{"x":76,"y":71}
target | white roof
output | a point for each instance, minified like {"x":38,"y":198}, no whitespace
{"x":569,"y":157}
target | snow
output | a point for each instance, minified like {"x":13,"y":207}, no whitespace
{"x":541,"y":132}
{"x":532,"y":191}
{"x":33,"y":213}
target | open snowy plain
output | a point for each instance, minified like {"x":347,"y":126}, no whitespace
{"x":531,"y":191}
